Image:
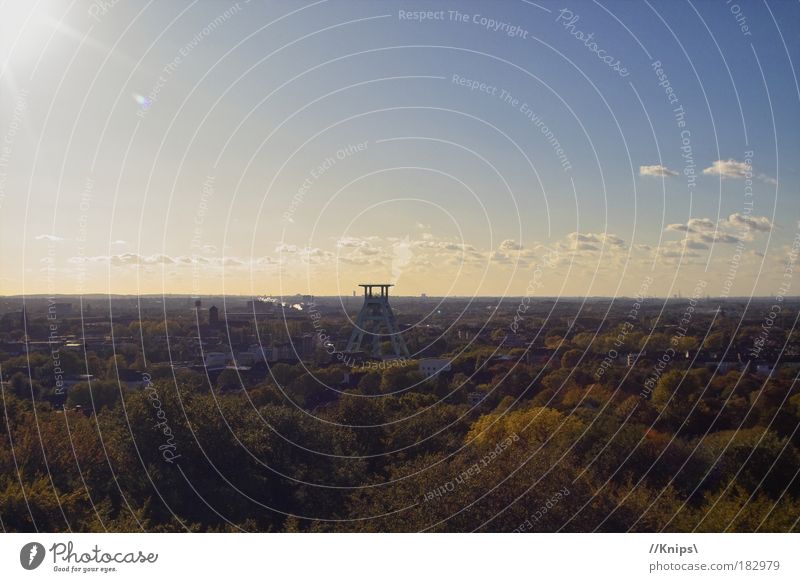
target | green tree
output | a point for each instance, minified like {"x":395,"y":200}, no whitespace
{"x":93,"y":395}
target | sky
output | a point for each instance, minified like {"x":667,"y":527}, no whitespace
{"x":450,"y":148}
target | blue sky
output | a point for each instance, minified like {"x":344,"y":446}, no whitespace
{"x":164,"y":147}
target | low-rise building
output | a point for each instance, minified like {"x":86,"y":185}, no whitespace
{"x":430,"y":367}
{"x":216,"y":360}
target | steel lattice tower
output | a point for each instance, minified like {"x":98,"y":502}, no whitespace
{"x":375,"y":314}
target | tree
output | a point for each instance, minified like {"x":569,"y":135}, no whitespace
{"x":571,"y":358}
{"x":716,"y":342}
{"x":675,"y":394}
{"x":228,"y":380}
{"x":93,"y":395}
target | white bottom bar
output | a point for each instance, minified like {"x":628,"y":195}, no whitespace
{"x":356,"y":557}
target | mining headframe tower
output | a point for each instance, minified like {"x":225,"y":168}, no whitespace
{"x":377,"y":319}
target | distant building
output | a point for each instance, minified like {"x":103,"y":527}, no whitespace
{"x":213,"y":316}
{"x":216,"y":360}
{"x":256,"y":354}
{"x":763,"y":368}
{"x":247,"y":358}
{"x":432,"y":366}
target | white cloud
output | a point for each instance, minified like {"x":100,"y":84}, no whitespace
{"x":694,"y":244}
{"x":285,"y":248}
{"x":701,"y":232}
{"x":351,"y":242}
{"x":656,"y":170}
{"x":49,"y":237}
{"x":577,"y":237}
{"x":677,"y":227}
{"x":137,"y":260}
{"x":758,"y":223}
{"x":592,"y":242}
{"x":134,"y":259}
{"x":737,"y":170}
{"x":613,"y":240}
{"x":700,"y":224}
{"x":729,"y":169}
{"x":678,"y":249}
{"x":510,"y":245}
